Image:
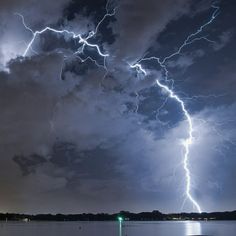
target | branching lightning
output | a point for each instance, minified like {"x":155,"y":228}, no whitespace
{"x":169,"y":89}
{"x":84,"y":42}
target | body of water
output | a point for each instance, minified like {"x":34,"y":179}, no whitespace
{"x":128,"y":228}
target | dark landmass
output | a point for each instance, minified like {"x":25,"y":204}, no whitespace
{"x":127,"y":216}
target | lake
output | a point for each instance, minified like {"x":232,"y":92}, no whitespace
{"x":128,"y":228}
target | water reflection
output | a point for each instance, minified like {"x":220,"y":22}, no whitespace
{"x":193,"y":228}
{"x":165,"y":228}
{"x":120,"y":228}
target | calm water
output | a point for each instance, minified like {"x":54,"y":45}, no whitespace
{"x":217,"y":228}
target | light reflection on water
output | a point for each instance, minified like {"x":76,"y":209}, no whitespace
{"x":120,"y":228}
{"x":193,"y":228}
{"x":127,"y":228}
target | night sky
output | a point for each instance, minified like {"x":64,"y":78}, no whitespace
{"x":76,"y":136}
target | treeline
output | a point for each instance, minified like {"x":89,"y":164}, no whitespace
{"x":143,"y":216}
{"x":206,"y":216}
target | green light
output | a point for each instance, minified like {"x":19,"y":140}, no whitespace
{"x":120,"y":219}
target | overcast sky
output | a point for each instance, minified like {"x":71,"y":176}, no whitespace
{"x":78,"y":137}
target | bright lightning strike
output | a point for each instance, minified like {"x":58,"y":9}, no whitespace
{"x":169,"y":89}
{"x":187,"y":142}
{"x":81,"y":40}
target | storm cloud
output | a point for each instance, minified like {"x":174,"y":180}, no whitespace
{"x":93,"y":139}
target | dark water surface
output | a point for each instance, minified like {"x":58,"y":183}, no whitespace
{"x":181,"y":228}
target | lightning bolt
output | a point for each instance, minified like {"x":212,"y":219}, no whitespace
{"x":169,"y":89}
{"x":84,"y":41}
{"x":81,"y":40}
{"x":187,"y":142}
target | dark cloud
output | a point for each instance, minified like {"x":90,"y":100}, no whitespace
{"x":139,"y":23}
{"x":28,"y":164}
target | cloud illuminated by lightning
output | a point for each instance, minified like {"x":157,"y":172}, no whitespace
{"x":73,"y":35}
{"x":84,"y":41}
